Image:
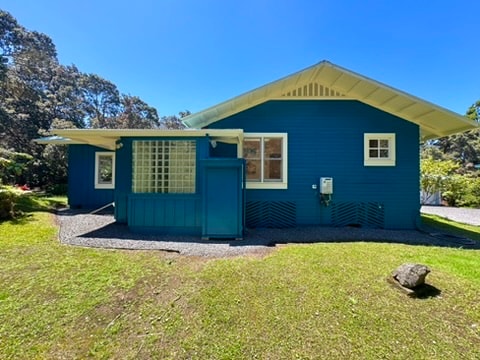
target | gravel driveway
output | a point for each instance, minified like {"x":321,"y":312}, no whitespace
{"x":462,"y":215}
{"x":83,"y":229}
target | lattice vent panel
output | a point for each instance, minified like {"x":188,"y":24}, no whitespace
{"x":271,"y":214}
{"x":313,"y":90}
{"x":365,"y":214}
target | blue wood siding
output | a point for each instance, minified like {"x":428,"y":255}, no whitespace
{"x":161,"y":213}
{"x":81,"y":182}
{"x":325,"y":139}
{"x":223,"y":150}
{"x":123,"y":181}
{"x":169,"y":213}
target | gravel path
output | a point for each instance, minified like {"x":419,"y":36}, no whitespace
{"x":83,"y":229}
{"x":462,"y":215}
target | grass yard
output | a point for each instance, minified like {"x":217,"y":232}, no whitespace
{"x":313,"y":301}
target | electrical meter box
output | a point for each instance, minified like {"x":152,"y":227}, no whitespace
{"x":326,"y":185}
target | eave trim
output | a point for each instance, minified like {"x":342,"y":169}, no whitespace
{"x":342,"y":84}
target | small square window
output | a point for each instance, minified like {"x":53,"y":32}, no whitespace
{"x":379,"y":149}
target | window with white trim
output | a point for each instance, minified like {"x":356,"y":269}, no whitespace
{"x":266,"y":160}
{"x":379,"y":149}
{"x":104,"y":170}
{"x":164,"y":166}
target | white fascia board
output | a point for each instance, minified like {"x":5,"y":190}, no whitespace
{"x":354,"y":87}
{"x":115,"y":134}
{"x":107,"y":138}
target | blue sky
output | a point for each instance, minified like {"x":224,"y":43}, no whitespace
{"x":191,"y":54}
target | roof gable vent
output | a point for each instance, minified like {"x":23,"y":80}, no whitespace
{"x":313,"y":89}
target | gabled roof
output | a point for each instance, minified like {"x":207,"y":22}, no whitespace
{"x":328,"y":81}
{"x":107,"y":138}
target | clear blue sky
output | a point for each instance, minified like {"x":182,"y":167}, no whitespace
{"x":192,"y":54}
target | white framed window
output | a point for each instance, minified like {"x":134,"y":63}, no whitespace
{"x":104,"y":170}
{"x":266,"y":160}
{"x":379,"y":149}
{"x":164,"y":166}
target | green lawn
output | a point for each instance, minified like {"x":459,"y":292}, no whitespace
{"x":313,"y":301}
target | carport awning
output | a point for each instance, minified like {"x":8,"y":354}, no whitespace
{"x":108,"y":138}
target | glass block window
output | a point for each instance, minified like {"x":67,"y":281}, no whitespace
{"x":164,"y":166}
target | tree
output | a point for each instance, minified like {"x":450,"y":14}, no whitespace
{"x":136,"y":114}
{"x":28,"y":59}
{"x":101,"y":101}
{"x":463,"y":147}
{"x":455,"y":188}
{"x":473,"y":111}
{"x":9,"y":36}
{"x":38,"y":94}
{"x":173,"y":121}
{"x":64,"y":97}
{"x":12,"y":165}
{"x":434,"y":176}
{"x":429,"y":150}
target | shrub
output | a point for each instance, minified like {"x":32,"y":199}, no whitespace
{"x":471,"y":196}
{"x":12,"y":165}
{"x":57,"y":189}
{"x":437,"y":176}
{"x":456,"y":187}
{"x":8,"y":199}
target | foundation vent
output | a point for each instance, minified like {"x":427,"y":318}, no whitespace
{"x":361,"y":214}
{"x":271,"y":214}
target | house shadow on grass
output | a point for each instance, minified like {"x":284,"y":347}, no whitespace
{"x":318,"y":234}
{"x":28,"y":203}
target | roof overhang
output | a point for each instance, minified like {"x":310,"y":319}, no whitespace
{"x":56,"y":140}
{"x":108,"y":138}
{"x":326,"y":81}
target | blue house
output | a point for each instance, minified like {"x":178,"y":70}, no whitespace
{"x":324,"y":146}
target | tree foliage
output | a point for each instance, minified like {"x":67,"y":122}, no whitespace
{"x":101,"y":101}
{"x":173,"y":121}
{"x":12,"y":165}
{"x":463,"y":147}
{"x":37,"y":94}
{"x":434,"y":176}
{"x":451,"y":165}
{"x":136,"y":114}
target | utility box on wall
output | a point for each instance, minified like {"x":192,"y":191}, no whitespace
{"x":326,"y":185}
{"x":223,"y":198}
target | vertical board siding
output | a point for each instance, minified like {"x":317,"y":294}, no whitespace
{"x":81,"y":181}
{"x":152,"y":212}
{"x":164,"y":213}
{"x":325,"y":138}
{"x":123,"y":182}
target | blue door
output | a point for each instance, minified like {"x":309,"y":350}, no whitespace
{"x":223,"y":199}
